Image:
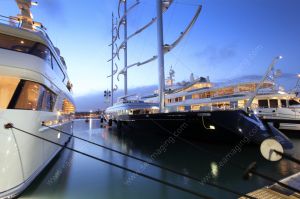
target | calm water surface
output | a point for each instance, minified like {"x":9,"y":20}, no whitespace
{"x":73,"y":176}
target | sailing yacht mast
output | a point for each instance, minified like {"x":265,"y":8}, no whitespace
{"x":112,"y":60}
{"x":160,"y":54}
{"x":125,"y":47}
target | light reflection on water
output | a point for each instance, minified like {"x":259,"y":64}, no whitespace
{"x":74,"y":176}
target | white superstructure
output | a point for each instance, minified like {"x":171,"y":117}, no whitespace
{"x":34,"y":88}
{"x":271,"y":101}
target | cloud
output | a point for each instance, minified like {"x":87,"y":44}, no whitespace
{"x":95,"y":101}
{"x":215,"y":54}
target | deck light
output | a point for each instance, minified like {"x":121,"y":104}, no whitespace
{"x":298,"y":75}
{"x":212,"y":127}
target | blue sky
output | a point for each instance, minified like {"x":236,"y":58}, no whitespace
{"x":231,"y":38}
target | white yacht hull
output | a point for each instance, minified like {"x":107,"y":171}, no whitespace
{"x":23,"y":156}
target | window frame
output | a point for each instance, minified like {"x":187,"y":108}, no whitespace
{"x":40,"y":102}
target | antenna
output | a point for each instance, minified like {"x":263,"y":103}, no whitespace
{"x":26,"y":16}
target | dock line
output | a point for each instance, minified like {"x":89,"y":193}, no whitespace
{"x":11,"y":126}
{"x":153,"y":164}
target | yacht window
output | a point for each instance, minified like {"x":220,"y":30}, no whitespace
{"x":188,"y":97}
{"x":8,"y":86}
{"x":273,"y":103}
{"x":15,"y":43}
{"x":41,"y":51}
{"x":68,"y":107}
{"x":48,"y":102}
{"x":283,"y":103}
{"x":136,"y":112}
{"x":29,"y":96}
{"x":24,"y":46}
{"x":30,"y":47}
{"x":57,"y":69}
{"x":32,"y":96}
{"x":293,"y":102}
{"x":263,"y":104}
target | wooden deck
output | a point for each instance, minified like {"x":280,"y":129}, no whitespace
{"x":277,"y":192}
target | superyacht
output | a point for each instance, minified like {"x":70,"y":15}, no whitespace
{"x":149,"y":118}
{"x":272,"y":101}
{"x":34,"y":89}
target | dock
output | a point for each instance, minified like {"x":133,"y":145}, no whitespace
{"x":277,"y":192}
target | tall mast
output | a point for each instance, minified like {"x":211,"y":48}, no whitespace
{"x":160,"y":54}
{"x":125,"y":48}
{"x":270,"y":68}
{"x":112,"y":60}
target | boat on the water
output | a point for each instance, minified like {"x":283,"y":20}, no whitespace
{"x":208,"y":124}
{"x":34,"y":89}
{"x":272,"y":102}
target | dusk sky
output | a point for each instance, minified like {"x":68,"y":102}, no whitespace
{"x":231,"y":38}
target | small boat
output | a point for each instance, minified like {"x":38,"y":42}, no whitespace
{"x":272,"y":102}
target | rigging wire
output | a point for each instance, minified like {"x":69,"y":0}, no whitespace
{"x":11,"y":126}
{"x":151,"y":163}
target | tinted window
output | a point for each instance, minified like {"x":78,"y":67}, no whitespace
{"x":15,"y":43}
{"x":293,"y":102}
{"x":283,"y":103}
{"x":263,"y":103}
{"x":31,"y":47}
{"x":49,"y":99}
{"x":57,"y":69}
{"x":188,"y":97}
{"x":273,"y":103}
{"x":42,"y":52}
{"x":24,"y":46}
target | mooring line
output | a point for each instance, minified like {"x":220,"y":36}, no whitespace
{"x":11,"y":126}
{"x":153,"y":164}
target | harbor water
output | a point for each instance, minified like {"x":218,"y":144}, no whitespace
{"x":72,"y":175}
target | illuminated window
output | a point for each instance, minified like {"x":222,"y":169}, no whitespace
{"x":8,"y":86}
{"x":181,"y":108}
{"x":32,"y":96}
{"x":195,"y":107}
{"x":68,"y":107}
{"x":29,"y":96}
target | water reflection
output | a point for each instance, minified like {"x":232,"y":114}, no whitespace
{"x":74,"y":176}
